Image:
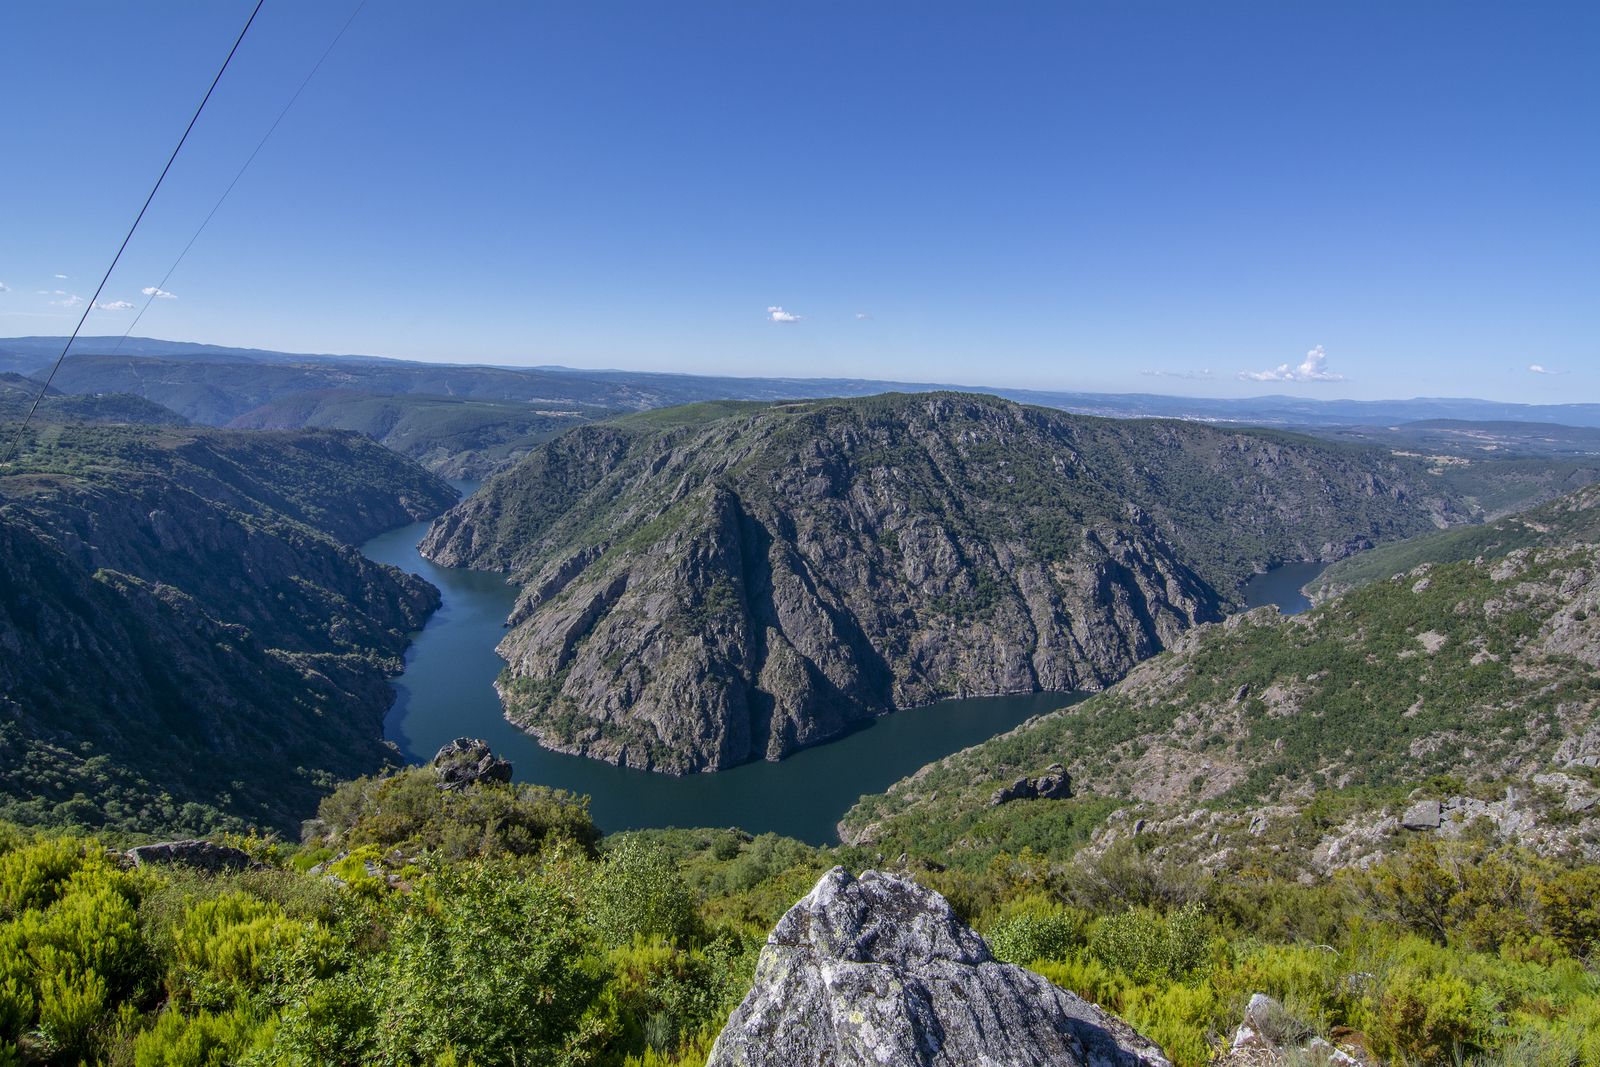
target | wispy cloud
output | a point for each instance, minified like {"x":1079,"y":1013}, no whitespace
{"x":4,"y":288}
{"x":63,"y":299}
{"x":151,"y":290}
{"x":1192,"y":375}
{"x":1311,"y":369}
{"x":777,"y":314}
{"x":862,"y":316}
{"x":1540,"y":368}
{"x":116,"y":305}
{"x":61,"y":277}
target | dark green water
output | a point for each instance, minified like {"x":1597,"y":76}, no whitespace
{"x":1281,"y":586}
{"x":447,"y":691}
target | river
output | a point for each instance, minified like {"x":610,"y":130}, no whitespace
{"x":447,"y":691}
{"x":1281,"y":586}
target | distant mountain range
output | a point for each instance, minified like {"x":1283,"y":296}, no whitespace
{"x":87,"y":371}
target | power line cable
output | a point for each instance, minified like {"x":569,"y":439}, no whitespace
{"x":162,"y":284}
{"x":16,"y":442}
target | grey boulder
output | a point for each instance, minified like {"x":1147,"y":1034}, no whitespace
{"x":1054,"y":784}
{"x":1423,"y":815}
{"x":879,"y":971}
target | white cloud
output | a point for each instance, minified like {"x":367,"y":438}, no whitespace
{"x":777,"y":314}
{"x":64,"y":299}
{"x":1539,"y":368}
{"x":863,"y":315}
{"x":151,"y":290}
{"x":1193,"y":375}
{"x":1310,"y":369}
{"x":116,"y":305}
{"x":4,"y":288}
{"x":62,"y":277}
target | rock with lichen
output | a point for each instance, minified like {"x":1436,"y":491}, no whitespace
{"x":878,"y":970}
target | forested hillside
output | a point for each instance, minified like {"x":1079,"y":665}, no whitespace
{"x":17,"y":395}
{"x":1569,"y":519}
{"x":189,"y":640}
{"x":451,"y":436}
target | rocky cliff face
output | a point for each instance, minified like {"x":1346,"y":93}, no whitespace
{"x":184,"y":639}
{"x":697,"y":593}
{"x":880,"y":971}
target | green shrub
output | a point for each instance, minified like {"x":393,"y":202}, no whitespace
{"x":69,"y":1006}
{"x":410,"y":812}
{"x":223,"y":946}
{"x":1027,"y":936}
{"x":638,"y":892}
{"x":1570,"y":905}
{"x":491,"y":963}
{"x":1145,"y":946}
{"x":35,"y":874}
{"x":202,"y":1040}
{"x":1430,"y":1017}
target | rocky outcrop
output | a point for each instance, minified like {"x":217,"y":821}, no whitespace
{"x":878,"y":970}
{"x":1054,"y":784}
{"x":468,"y":761}
{"x":1423,"y":815}
{"x":202,"y":855}
{"x":697,"y":594}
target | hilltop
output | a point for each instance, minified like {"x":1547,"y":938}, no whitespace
{"x":708,"y":584}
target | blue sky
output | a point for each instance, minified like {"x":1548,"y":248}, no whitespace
{"x":1117,"y":196}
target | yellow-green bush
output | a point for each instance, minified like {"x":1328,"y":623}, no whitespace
{"x":200,"y":1040}
{"x":223,"y":944}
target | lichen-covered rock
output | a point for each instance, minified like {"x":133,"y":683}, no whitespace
{"x":203,"y":855}
{"x":1423,"y":815}
{"x":878,"y":970}
{"x":468,"y":761}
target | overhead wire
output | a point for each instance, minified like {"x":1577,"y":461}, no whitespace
{"x":161,"y":286}
{"x":16,"y":442}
